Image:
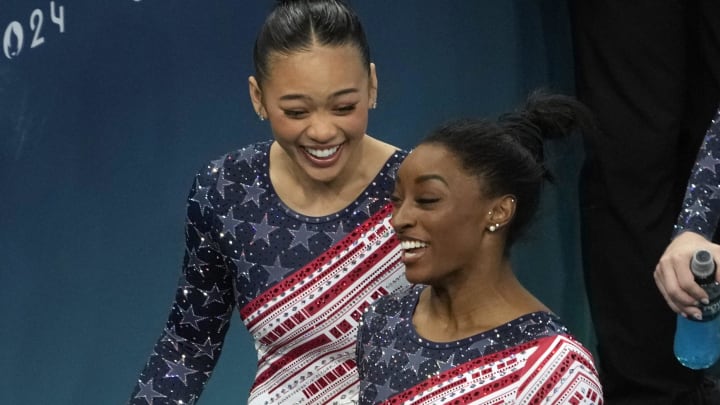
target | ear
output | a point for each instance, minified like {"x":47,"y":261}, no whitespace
{"x":373,"y":87}
{"x":502,"y":210}
{"x":256,"y":97}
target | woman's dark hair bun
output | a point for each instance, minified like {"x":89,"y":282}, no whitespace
{"x":508,"y":153}
{"x":545,"y":115}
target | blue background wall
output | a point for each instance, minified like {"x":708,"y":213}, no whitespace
{"x":102,"y":127}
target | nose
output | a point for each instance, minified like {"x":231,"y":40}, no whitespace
{"x":322,"y":129}
{"x":400,"y":220}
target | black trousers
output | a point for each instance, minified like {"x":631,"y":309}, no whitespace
{"x":650,"y":71}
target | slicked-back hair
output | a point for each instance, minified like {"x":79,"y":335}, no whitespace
{"x":296,"y":25}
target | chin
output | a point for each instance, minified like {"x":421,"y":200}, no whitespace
{"x":413,"y":277}
{"x":319,"y":175}
{"x":324,"y":174}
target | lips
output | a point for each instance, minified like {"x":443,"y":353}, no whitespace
{"x":322,"y":153}
{"x":322,"y":157}
{"x":413,"y":250}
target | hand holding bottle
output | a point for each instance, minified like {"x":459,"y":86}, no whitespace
{"x":697,"y":340}
{"x":674,"y":278}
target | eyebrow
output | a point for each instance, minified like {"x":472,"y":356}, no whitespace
{"x":428,"y":177}
{"x":334,"y":95}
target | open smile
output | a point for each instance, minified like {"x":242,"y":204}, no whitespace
{"x":325,"y":153}
{"x":323,"y":157}
{"x":412,"y":250}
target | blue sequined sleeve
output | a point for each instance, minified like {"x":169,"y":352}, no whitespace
{"x":701,"y":205}
{"x":188,"y":349}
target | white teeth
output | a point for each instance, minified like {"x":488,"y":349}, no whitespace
{"x":322,"y":153}
{"x":412,"y":244}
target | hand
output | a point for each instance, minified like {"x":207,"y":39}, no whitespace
{"x":674,"y":278}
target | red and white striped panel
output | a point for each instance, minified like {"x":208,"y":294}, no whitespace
{"x":305,"y":327}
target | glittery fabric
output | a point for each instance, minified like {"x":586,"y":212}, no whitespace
{"x":286,"y":273}
{"x":701,"y":206}
{"x":529,"y":360}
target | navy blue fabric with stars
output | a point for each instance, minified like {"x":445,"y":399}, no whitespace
{"x":701,"y":206}
{"x":240,"y":240}
{"x":392,"y":357}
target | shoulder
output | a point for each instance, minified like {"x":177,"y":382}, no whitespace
{"x":560,"y":366}
{"x":254,"y":155}
{"x":388,"y":171}
{"x":565,"y":343}
{"x":250,"y":155}
{"x":396,"y":158}
{"x":244,"y":166}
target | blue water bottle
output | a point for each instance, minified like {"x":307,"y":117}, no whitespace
{"x":697,"y":342}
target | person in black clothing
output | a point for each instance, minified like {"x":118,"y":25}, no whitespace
{"x":650,"y":72}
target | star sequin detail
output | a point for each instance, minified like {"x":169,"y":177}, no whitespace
{"x":214,"y":295}
{"x":708,"y":162}
{"x":338,"y":234}
{"x":222,"y":183}
{"x":243,"y":266}
{"x":392,"y":321}
{"x":387,"y":353}
{"x":178,"y":371}
{"x":697,"y":209}
{"x":189,"y":318}
{"x":252,"y":193}
{"x":229,"y":222}
{"x":276,"y":271}
{"x":715,"y":191}
{"x":147,"y":392}
{"x":447,"y":364}
{"x":217,"y":164}
{"x":173,"y":338}
{"x":207,"y":349}
{"x":301,"y":237}
{"x":262,"y":230}
{"x":247,"y":154}
{"x":365,"y":205}
{"x":194,"y":260}
{"x":414,"y":360}
{"x":201,"y":196}
{"x":206,"y":240}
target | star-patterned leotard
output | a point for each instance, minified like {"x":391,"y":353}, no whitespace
{"x":300,"y":284}
{"x":529,"y":360}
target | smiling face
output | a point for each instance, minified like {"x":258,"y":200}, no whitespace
{"x":317,"y":103}
{"x":440,"y":215}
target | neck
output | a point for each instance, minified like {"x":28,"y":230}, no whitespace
{"x":352,"y":172}
{"x":492,"y":296}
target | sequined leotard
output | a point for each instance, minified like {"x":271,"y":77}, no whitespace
{"x":299,"y":283}
{"x":701,"y":206}
{"x":529,"y":360}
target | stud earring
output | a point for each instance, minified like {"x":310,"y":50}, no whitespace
{"x":493,"y":228}
{"x":374,"y":105}
{"x":260,"y":116}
